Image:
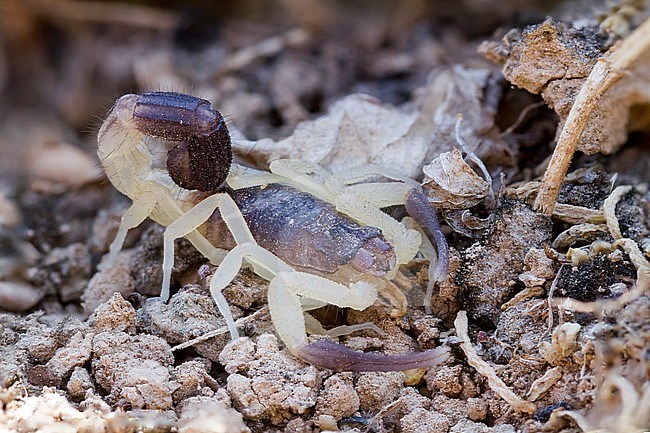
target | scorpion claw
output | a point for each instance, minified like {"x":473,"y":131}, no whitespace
{"x":326,"y":354}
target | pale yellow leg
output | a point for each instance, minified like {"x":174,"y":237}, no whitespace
{"x":228,"y":269}
{"x":286,"y":290}
{"x":362,"y":172}
{"x":305,"y":176}
{"x":245,"y":177}
{"x":314,"y":327}
{"x":192,"y":220}
{"x":405,"y":241}
{"x":133,"y":217}
{"x":382,"y":194}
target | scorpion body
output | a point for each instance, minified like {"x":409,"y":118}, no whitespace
{"x":286,"y":224}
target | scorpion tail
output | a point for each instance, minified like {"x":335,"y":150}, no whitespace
{"x":326,"y":354}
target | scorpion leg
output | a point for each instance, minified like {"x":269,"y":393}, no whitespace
{"x":306,"y":176}
{"x":315,"y":327}
{"x":133,"y":217}
{"x":365,"y":171}
{"x":285,"y":293}
{"x":194,"y":218}
{"x":405,"y":241}
{"x":284,"y":296}
{"x":229,"y":268}
{"x":287,"y":288}
{"x":244,"y":177}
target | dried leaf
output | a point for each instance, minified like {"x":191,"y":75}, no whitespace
{"x":358,"y":129}
{"x":544,"y":383}
{"x":451,"y":183}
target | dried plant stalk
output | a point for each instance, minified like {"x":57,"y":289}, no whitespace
{"x":607,"y":71}
{"x":485,"y":370}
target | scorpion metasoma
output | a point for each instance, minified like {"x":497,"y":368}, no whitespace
{"x":319,"y":237}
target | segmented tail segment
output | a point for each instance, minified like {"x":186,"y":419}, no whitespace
{"x":201,"y":159}
{"x":325,"y":354}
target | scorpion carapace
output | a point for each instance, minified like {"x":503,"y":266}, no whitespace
{"x":319,"y":238}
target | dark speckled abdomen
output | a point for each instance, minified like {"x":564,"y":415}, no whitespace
{"x":309,"y":233}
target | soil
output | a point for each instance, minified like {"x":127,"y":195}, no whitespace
{"x":546,"y":314}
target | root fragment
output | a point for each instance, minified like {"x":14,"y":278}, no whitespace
{"x":485,"y":370}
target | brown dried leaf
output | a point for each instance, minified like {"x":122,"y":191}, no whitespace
{"x":451,"y":183}
{"x":544,"y":383}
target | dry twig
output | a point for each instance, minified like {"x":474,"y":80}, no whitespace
{"x":607,"y":72}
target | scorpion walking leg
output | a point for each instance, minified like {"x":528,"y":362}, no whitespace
{"x":194,"y":218}
{"x":284,"y":295}
{"x":365,"y":171}
{"x":305,"y":176}
{"x":315,"y":327}
{"x":133,"y":217}
{"x":405,"y":241}
{"x":287,"y":290}
{"x":229,"y":268}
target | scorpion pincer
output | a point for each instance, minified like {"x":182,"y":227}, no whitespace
{"x":319,"y":237}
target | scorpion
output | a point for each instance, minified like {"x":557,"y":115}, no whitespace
{"x":319,"y":237}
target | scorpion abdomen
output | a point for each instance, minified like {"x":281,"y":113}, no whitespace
{"x":307,"y":232}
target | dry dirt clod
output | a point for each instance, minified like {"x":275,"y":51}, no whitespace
{"x":423,"y":421}
{"x":491,"y":268}
{"x":64,"y":271}
{"x":116,"y":314}
{"x":597,"y":114}
{"x":79,"y":384}
{"x":190,"y":378}
{"x":467,"y":426}
{"x":272,"y":385}
{"x":377,"y":390}
{"x":210,"y":416}
{"x":549,"y":58}
{"x":338,"y":398}
{"x":105,"y":283}
{"x":134,"y":370}
{"x":74,"y":354}
{"x":189,"y":314}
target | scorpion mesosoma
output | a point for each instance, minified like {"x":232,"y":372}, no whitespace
{"x":284,"y":223}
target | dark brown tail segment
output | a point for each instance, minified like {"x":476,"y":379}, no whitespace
{"x":202,"y":158}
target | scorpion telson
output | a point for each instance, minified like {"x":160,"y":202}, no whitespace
{"x":319,"y":237}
